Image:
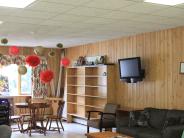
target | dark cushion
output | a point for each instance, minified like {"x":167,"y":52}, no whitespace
{"x":143,"y":119}
{"x":149,"y":133}
{"x":133,"y":131}
{"x":173,"y":131}
{"x":138,"y":118}
{"x":106,"y":123}
{"x":157,"y":117}
{"x":182,"y":120}
{"x":175,"y":114}
{"x":133,"y":117}
{"x":171,"y":122}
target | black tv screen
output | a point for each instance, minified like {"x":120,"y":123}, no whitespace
{"x":130,"y":67}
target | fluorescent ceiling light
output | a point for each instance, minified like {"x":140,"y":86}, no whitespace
{"x":1,"y":22}
{"x":16,"y":3}
{"x":166,"y":2}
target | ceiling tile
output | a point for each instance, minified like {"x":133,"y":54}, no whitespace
{"x":144,"y":8}
{"x":34,"y":14}
{"x":121,"y":15}
{"x":97,"y":20}
{"x":7,"y":11}
{"x":170,"y":12}
{"x":71,"y":2}
{"x":70,"y":18}
{"x":49,"y":7}
{"x":110,"y":4}
{"x":14,"y":19}
{"x":86,"y":11}
{"x":156,"y":19}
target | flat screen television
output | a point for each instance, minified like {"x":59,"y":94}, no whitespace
{"x":130,"y":68}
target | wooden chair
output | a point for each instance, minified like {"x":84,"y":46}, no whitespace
{"x":15,"y":118}
{"x":56,"y":117}
{"x":18,"y":120}
{"x":24,"y":113}
{"x":37,"y":112}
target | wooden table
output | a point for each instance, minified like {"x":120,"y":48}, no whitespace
{"x":106,"y":134}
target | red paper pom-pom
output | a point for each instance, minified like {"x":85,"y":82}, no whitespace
{"x":46,"y":76}
{"x":32,"y":60}
{"x":65,"y":62}
{"x":13,"y":50}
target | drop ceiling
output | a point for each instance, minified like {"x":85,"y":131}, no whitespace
{"x":75,"y":22}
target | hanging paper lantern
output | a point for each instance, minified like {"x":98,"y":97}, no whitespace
{"x":65,"y":62}
{"x":32,"y":60}
{"x":46,"y":76}
{"x":22,"y":70}
{"x":4,"y":41}
{"x":39,"y":50}
{"x":59,"y":45}
{"x":13,"y":50}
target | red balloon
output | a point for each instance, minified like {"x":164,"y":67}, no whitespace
{"x":65,"y":62}
{"x":13,"y":50}
{"x":32,"y":60}
{"x":46,"y":76}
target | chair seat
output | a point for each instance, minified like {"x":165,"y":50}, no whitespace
{"x":15,"y":117}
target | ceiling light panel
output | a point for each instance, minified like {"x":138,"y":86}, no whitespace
{"x":16,"y":3}
{"x":166,"y":2}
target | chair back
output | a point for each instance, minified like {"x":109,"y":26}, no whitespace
{"x":60,"y":108}
{"x":37,"y":110}
{"x":110,"y":108}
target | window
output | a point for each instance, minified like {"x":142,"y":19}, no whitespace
{"x":11,"y":82}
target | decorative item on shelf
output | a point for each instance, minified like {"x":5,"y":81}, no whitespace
{"x":13,"y":50}
{"x":65,"y":62}
{"x":81,"y":61}
{"x":59,"y":45}
{"x":92,"y":60}
{"x":32,"y":60}
{"x":4,"y":41}
{"x":102,"y":60}
{"x":39,"y":50}
{"x":22,"y":70}
{"x":51,"y":53}
{"x":46,"y":76}
{"x":104,"y":74}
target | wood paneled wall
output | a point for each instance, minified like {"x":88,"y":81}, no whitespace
{"x":161,"y":53}
{"x":53,"y":62}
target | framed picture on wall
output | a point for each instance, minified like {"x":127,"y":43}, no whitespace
{"x":182,"y":67}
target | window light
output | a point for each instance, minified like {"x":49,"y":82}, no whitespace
{"x":166,"y":2}
{"x":16,"y":3}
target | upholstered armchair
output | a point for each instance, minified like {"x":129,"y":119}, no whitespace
{"x":106,"y":120}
